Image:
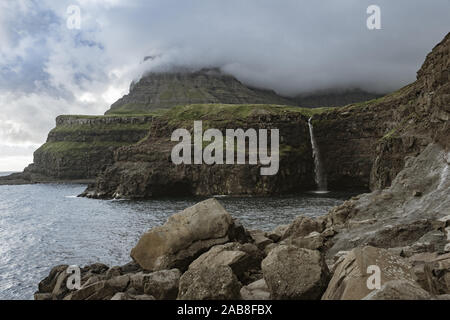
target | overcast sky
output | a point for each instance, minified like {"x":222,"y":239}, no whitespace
{"x":291,"y":46}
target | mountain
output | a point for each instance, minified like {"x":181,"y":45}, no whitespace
{"x":161,"y":90}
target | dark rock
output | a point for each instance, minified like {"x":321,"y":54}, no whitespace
{"x":209,"y":283}
{"x":295,"y":273}
{"x":162,"y":285}
{"x":303,"y":226}
{"x":437,"y":275}
{"x":313,"y":241}
{"x":43,"y":296}
{"x":49,"y":282}
{"x":259,"y":239}
{"x":244,"y":260}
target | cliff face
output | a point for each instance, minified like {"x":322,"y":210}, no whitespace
{"x":422,"y":117}
{"x":350,"y":136}
{"x":168,"y":89}
{"x":145,"y":169}
{"x":365,"y":144}
{"x":80,"y":147}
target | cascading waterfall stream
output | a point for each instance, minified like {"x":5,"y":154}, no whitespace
{"x":320,"y":177}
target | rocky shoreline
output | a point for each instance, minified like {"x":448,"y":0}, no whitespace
{"x":202,"y":253}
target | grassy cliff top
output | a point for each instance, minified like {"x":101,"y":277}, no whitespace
{"x":234,"y":111}
{"x":114,"y":115}
{"x":215,"y":110}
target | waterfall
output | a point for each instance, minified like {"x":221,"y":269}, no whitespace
{"x":320,"y":177}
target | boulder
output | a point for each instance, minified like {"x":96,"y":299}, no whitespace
{"x":295,"y":273}
{"x":60,"y":289}
{"x":260,"y":239}
{"x":243,"y":259}
{"x":49,"y":282}
{"x":399,"y":290}
{"x":113,"y":272}
{"x":350,"y":278}
{"x":313,"y":241}
{"x":269,"y":248}
{"x":100,"y":290}
{"x":184,"y":237}
{"x":137,"y":281}
{"x":130,"y":267}
{"x":162,"y":285}
{"x":276,"y":234}
{"x":303,"y":226}
{"x":121,"y":296}
{"x":437,"y":275}
{"x":43,"y":296}
{"x":257,"y":290}
{"x":126,"y":296}
{"x":418,"y":261}
{"x":143,"y":297}
{"x":209,"y":283}
{"x":96,"y":291}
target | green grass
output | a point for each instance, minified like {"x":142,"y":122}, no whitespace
{"x":233,"y":111}
{"x":101,"y":128}
{"x":107,"y":116}
{"x":133,"y":110}
{"x":77,"y":149}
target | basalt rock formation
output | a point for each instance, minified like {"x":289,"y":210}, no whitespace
{"x":80,"y":147}
{"x":145,"y":169}
{"x":363,"y":145}
{"x":366,"y":143}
